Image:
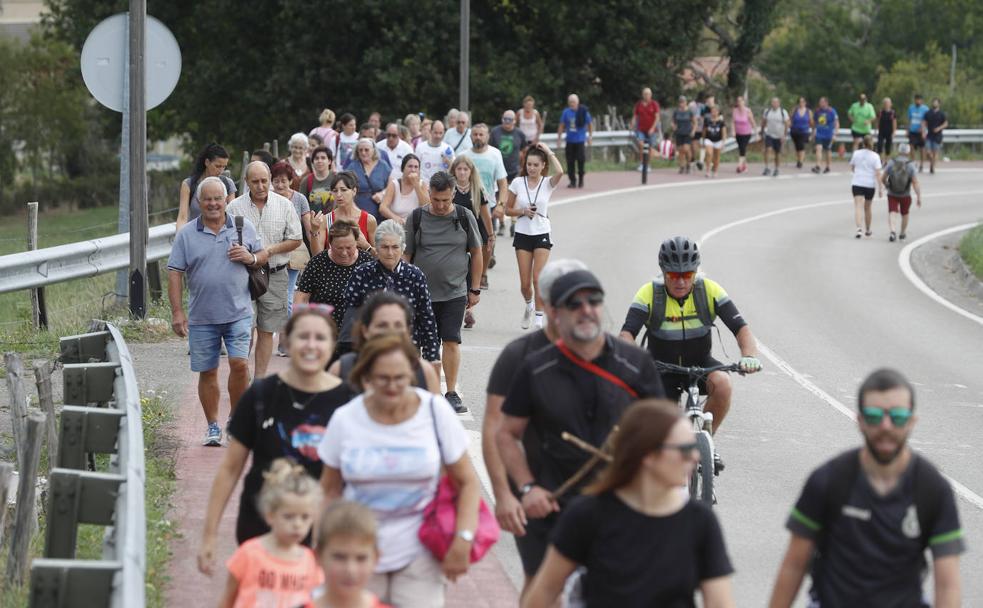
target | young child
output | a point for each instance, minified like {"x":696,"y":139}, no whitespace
{"x":275,"y":570}
{"x":347,"y":551}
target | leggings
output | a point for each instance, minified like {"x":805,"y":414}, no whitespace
{"x":742,"y":142}
{"x":576,"y":156}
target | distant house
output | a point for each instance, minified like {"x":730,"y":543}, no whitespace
{"x":17,"y":17}
{"x":702,"y":71}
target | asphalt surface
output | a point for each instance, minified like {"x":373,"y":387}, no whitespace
{"x":828,"y":308}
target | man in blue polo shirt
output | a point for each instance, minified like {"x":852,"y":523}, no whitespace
{"x":579,"y":127}
{"x":207,"y":253}
{"x":827,"y":124}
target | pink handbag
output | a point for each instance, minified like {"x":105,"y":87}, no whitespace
{"x":439,"y":525}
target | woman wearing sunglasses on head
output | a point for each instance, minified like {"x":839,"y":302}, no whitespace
{"x":642,"y":541}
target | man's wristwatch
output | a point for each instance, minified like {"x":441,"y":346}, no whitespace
{"x":526,"y":488}
{"x":466,"y":535}
{"x":476,"y":292}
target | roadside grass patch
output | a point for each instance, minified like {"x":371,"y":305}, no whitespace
{"x":971,"y":248}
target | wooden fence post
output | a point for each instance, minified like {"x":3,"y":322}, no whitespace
{"x":153,"y":281}
{"x":6,"y":474}
{"x":39,"y":312}
{"x":18,"y":561}
{"x":42,"y":377}
{"x":18,"y":402}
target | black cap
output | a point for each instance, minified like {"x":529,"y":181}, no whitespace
{"x":572,"y":282}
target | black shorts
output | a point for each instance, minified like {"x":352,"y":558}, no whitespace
{"x":800,"y":140}
{"x":676,"y":384}
{"x":884,"y":141}
{"x":867,"y":193}
{"x":775,"y":143}
{"x":915,"y":139}
{"x":532,"y":546}
{"x":683,"y":140}
{"x":857,"y":134}
{"x":450,"y":316}
{"x":531,"y":242}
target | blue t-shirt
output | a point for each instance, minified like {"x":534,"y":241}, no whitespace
{"x":916,"y":114}
{"x":574,"y":134}
{"x":218,"y":288}
{"x":825,"y":121}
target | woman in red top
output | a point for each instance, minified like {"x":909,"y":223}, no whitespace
{"x":344,"y":186}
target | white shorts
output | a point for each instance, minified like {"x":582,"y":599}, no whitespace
{"x":716,"y":145}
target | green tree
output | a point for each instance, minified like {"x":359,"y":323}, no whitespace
{"x":928,"y":75}
{"x":740,"y":29}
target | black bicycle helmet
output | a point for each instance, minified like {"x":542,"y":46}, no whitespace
{"x":679,"y":254}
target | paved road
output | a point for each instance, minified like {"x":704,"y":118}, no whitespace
{"x":829,"y":307}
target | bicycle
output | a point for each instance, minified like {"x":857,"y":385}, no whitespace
{"x":692,"y":403}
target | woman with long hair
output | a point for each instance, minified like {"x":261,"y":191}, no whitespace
{"x":404,"y":193}
{"x":325,"y":130}
{"x":469,"y":193}
{"x":372,"y":173}
{"x":528,"y":200}
{"x":210,"y":162}
{"x":643,"y":542}
{"x":530,"y":120}
{"x":742,"y":121}
{"x":344,"y":189}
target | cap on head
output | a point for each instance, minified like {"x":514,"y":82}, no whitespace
{"x":679,"y":254}
{"x":570,"y":283}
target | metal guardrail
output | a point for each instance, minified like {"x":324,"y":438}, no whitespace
{"x":83,"y":259}
{"x":102,"y":415}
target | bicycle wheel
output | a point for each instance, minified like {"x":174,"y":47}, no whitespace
{"x":701,"y":480}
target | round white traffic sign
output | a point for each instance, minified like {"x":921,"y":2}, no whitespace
{"x":104,"y":64}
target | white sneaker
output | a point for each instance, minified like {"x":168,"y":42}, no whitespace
{"x":639,"y":168}
{"x":539,"y":320}
{"x":526,"y":318}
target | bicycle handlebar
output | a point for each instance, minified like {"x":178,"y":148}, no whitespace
{"x":696,"y":371}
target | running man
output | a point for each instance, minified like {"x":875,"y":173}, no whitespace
{"x":827,"y":124}
{"x":899,"y":178}
{"x":916,"y":115}
{"x":935,"y":122}
{"x":862,"y":115}
{"x":774,"y":130}
{"x":887,"y":124}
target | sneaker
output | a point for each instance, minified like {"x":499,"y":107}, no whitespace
{"x":281,"y":352}
{"x":718,"y":464}
{"x":526,"y":318}
{"x":932,"y":170}
{"x":860,"y":232}
{"x":492,"y":261}
{"x":902,"y":236}
{"x":682,"y":170}
{"x":868,"y":233}
{"x":512,"y":229}
{"x":826,"y":170}
{"x":774,"y":173}
{"x":639,"y":168}
{"x":816,"y":169}
{"x":798,"y":164}
{"x":572,"y":185}
{"x":484,"y":279}
{"x":468,"y":319}
{"x":213,"y":438}
{"x":767,"y":171}
{"x":455,"y":400}
{"x":699,"y":166}
{"x":499,"y":232}
{"x":892,"y":237}
{"x":539,"y":320}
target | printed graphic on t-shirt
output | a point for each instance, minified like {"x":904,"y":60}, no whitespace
{"x":305,"y":438}
{"x":401,"y":477}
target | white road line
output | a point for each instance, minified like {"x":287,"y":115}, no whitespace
{"x":904,"y":260}
{"x":478,"y":461}
{"x":969,"y":495}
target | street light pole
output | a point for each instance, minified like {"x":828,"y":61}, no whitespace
{"x":138,"y":159}
{"x":464,"y":101}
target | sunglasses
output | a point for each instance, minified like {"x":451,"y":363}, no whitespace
{"x":594,"y":300}
{"x":873,"y":416}
{"x":680,"y":276}
{"x":685,"y":449}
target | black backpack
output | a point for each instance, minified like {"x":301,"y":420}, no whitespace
{"x":657,"y":313}
{"x":897,"y":179}
{"x":416,"y":219}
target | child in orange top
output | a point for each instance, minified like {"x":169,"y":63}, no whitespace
{"x":346,"y":548}
{"x":275,"y":570}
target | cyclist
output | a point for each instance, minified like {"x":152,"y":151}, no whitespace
{"x":678,"y":315}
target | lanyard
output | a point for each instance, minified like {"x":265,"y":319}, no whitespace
{"x":525,"y":182}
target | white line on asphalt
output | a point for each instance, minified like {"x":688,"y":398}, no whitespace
{"x":478,"y":461}
{"x":970,"y":496}
{"x":904,"y":260}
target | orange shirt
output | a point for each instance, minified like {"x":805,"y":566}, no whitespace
{"x":266,"y":581}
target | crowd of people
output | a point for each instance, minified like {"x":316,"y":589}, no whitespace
{"x":360,"y":489}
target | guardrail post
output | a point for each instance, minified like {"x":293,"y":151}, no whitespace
{"x":18,"y":402}
{"x":77,"y":497}
{"x":39,"y":312}
{"x":42,"y":377}
{"x":24,"y":520}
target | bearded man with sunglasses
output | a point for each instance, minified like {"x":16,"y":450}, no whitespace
{"x":678,"y":315}
{"x":866,"y":517}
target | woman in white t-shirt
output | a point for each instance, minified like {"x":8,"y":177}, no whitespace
{"x":529,"y":197}
{"x":866,"y":167}
{"x":384,"y":449}
{"x":405,"y":193}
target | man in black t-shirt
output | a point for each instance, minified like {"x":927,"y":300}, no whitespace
{"x":580,"y":385}
{"x":508,"y":510}
{"x":933,"y":124}
{"x":865,"y":518}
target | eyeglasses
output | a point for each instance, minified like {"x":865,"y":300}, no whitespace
{"x":873,"y":416}
{"x":594,"y":300}
{"x":684,"y":449}
{"x":680,"y":276}
{"x":507,"y":119}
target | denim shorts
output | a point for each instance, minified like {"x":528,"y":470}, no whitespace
{"x":653,"y":139}
{"x":205,"y":342}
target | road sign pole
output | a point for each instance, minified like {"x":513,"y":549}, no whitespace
{"x":138,"y":160}
{"x":465,"y":55}
{"x":122,"y":275}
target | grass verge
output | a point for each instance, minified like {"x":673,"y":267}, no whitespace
{"x":971,"y":248}
{"x":159,"y":463}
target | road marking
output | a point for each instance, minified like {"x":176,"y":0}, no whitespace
{"x":478,"y":461}
{"x":969,"y":495}
{"x":904,"y":260}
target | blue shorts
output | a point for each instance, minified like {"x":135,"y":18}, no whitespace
{"x":653,"y":139}
{"x":205,"y":342}
{"x":824,"y":143}
{"x":932,"y":144}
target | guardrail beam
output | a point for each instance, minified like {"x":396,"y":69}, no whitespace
{"x":84,"y":348}
{"x":77,"y":497}
{"x":89,"y":382}
{"x":86,"y":430}
{"x":62,"y":583}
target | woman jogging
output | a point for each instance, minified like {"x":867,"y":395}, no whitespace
{"x":529,"y":196}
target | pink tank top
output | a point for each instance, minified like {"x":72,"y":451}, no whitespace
{"x":742,"y":121}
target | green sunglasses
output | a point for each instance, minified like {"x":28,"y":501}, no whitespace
{"x":874,"y":415}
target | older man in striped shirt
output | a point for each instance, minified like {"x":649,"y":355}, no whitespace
{"x":279,"y":229}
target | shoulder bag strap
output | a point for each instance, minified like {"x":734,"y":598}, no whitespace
{"x":595,"y":369}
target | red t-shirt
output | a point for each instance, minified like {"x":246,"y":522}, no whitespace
{"x":646,"y":114}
